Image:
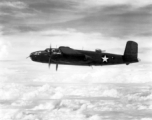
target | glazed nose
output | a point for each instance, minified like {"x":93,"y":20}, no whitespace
{"x":33,"y":56}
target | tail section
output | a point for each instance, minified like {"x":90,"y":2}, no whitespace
{"x":131,"y":52}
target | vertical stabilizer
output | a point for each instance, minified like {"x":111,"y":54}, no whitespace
{"x":131,"y":52}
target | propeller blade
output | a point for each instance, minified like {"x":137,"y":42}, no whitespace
{"x":49,"y":62}
{"x":56,"y":67}
{"x":50,"y":46}
{"x":27,"y":57}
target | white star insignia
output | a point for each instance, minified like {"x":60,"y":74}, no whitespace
{"x":105,"y":59}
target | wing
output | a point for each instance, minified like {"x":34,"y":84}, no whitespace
{"x":70,"y":52}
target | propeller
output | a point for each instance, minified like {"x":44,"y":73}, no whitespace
{"x":49,"y":62}
{"x":50,"y":58}
{"x":50,"y":55}
{"x":56,"y":67}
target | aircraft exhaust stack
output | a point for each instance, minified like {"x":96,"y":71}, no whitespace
{"x":131,"y":52}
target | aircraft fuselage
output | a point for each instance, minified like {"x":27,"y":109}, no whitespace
{"x":68,"y":56}
{"x":97,"y":58}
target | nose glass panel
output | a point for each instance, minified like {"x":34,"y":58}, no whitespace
{"x":36,"y":53}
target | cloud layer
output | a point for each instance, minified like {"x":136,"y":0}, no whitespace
{"x":4,"y":48}
{"x":87,"y":102}
{"x":32,"y":92}
{"x":112,"y":18}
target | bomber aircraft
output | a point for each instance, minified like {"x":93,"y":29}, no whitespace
{"x":69,"y":56}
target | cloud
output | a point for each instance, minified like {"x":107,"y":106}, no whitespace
{"x":4,"y":48}
{"x":138,"y":3}
{"x":128,"y":75}
{"x":46,"y":5}
{"x":7,"y":114}
{"x":10,"y":91}
{"x":146,"y":119}
{"x":120,"y":19}
{"x":86,"y":102}
{"x":34,"y":15}
{"x":95,"y":117}
{"x":48,"y":106}
{"x":13,"y":4}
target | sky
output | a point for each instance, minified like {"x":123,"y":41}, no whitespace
{"x":31,"y":91}
{"x":86,"y":24}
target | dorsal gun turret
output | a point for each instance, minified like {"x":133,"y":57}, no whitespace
{"x":99,"y":51}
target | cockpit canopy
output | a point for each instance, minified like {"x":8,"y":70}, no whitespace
{"x":53,"y":50}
